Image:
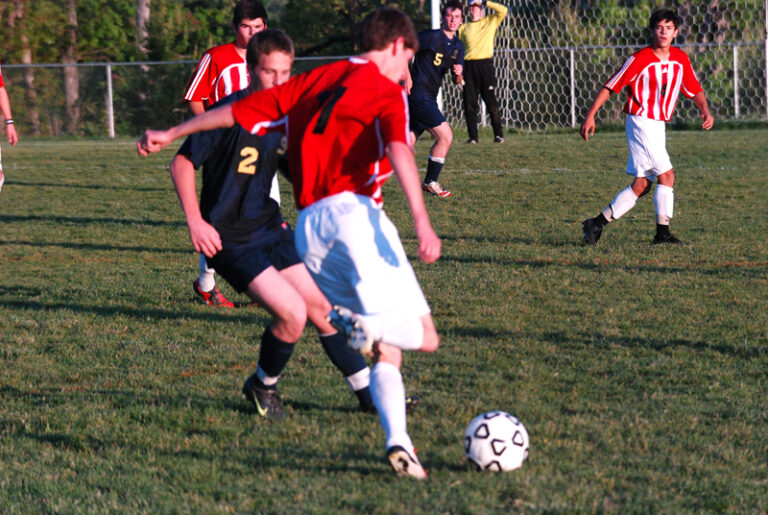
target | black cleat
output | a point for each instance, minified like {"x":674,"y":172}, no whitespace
{"x":667,"y":238}
{"x":267,"y":401}
{"x":592,"y":231}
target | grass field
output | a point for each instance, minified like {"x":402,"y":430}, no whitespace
{"x":640,"y":372}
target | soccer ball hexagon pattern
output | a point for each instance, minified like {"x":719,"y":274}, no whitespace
{"x":496,"y":441}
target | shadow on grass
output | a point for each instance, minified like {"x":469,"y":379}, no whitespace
{"x":134,"y":402}
{"x":64,"y":220}
{"x":142,"y":314}
{"x":93,"y":246}
{"x":598,"y":340}
{"x":87,"y":186}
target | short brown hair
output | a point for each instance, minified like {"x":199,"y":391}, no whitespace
{"x":266,"y":42}
{"x":383,"y":26}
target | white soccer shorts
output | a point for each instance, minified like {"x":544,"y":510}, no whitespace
{"x":647,"y":147}
{"x":355,"y":256}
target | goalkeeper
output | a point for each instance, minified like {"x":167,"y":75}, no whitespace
{"x":478,"y":35}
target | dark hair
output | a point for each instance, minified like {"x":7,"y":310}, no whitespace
{"x":266,"y":42}
{"x":385,"y":25}
{"x":452,"y":5}
{"x":664,"y":15}
{"x":248,"y":10}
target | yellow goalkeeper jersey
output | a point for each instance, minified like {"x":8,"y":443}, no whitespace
{"x":478,"y":36}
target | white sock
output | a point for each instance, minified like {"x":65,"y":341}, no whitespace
{"x":440,"y":160}
{"x":388,"y":394}
{"x":206,"y":279}
{"x":2,"y":180}
{"x":397,"y":329}
{"x":624,"y":201}
{"x":359,"y":380}
{"x":664,"y":200}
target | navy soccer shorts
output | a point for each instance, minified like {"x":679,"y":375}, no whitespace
{"x":424,"y":114}
{"x":240,"y":264}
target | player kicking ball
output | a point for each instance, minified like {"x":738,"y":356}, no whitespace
{"x":347,"y":128}
{"x":654,"y":77}
{"x":239,"y":228}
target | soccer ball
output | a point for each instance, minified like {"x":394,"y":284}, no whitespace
{"x":496,"y":441}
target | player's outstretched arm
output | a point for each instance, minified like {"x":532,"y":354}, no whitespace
{"x":588,"y":127}
{"x":700,"y":99}
{"x":205,"y":238}
{"x":401,"y":157}
{"x":216,"y":118}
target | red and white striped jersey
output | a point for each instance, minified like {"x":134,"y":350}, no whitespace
{"x":654,"y":84}
{"x":220,"y":72}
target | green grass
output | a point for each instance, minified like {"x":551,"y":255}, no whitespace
{"x":640,"y":372}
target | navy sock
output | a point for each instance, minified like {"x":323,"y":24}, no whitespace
{"x":274,"y":354}
{"x":433,"y":171}
{"x":347,"y":360}
{"x":344,"y":357}
{"x":662,"y":230}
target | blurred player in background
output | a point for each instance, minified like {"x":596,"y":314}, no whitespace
{"x":654,"y":77}
{"x":347,"y":133}
{"x":222,"y":70}
{"x":238,"y":226}
{"x":478,"y":36}
{"x":440,"y":51}
{"x":10,"y":128}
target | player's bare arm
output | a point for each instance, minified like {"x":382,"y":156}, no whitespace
{"x":404,"y":165}
{"x":217,"y":118}
{"x":700,"y":99}
{"x":205,"y":238}
{"x":588,"y":127}
{"x":5,"y":109}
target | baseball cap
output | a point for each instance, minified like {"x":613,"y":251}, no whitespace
{"x":473,"y":2}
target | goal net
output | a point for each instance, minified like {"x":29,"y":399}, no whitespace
{"x":553,"y":56}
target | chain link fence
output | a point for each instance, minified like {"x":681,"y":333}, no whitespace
{"x":553,"y":56}
{"x":551,"y":59}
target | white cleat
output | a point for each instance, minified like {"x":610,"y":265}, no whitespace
{"x":404,"y":464}
{"x":353,"y":326}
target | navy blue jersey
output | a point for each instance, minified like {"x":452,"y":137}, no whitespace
{"x":437,"y":54}
{"x":238,"y":168}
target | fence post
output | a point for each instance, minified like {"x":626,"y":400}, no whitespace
{"x":573,"y":87}
{"x":736,"y":81}
{"x":110,"y":112}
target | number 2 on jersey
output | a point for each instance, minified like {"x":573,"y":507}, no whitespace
{"x":329,"y":98}
{"x":246,"y":166}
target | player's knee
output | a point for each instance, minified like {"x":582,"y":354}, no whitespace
{"x":291,"y":322}
{"x":385,"y":353}
{"x":667,"y":178}
{"x":641,"y":186}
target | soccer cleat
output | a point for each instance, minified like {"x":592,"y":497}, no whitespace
{"x":471,"y":141}
{"x":667,"y":238}
{"x":353,"y":327}
{"x":411,"y":401}
{"x":404,"y":464}
{"x":267,"y":401}
{"x":212,"y":298}
{"x":435,"y":189}
{"x":592,"y":231}
{"x":498,"y":139}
